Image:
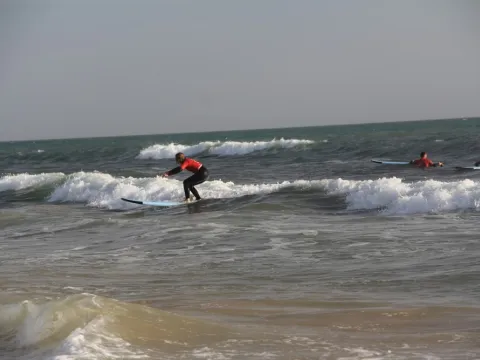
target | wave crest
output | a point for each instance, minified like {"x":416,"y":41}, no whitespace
{"x":227,"y":148}
{"x":24,"y":181}
{"x":86,"y":326}
{"x":391,"y":196}
{"x":159,"y":151}
{"x":396,"y":197}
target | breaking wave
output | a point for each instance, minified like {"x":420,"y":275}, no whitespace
{"x":23,"y":181}
{"x":86,"y":326}
{"x":390,"y":196}
{"x":227,"y":148}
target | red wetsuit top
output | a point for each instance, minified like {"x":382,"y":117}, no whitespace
{"x":191,"y":165}
{"x":188,"y":164}
{"x":424,"y":162}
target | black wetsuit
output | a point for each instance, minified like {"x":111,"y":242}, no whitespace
{"x":189,"y":184}
{"x":200,"y":174}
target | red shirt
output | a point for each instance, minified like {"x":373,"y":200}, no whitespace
{"x":191,"y":165}
{"x":424,"y":162}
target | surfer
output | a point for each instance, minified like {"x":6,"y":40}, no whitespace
{"x":200,"y":174}
{"x":424,"y":161}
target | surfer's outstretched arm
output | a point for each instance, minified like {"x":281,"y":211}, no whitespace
{"x":173,"y":171}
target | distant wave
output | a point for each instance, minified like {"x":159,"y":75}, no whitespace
{"x":168,"y":151}
{"x":226,"y":148}
{"x":390,"y":196}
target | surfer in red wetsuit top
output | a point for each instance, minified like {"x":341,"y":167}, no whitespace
{"x":425,"y":162}
{"x":200,"y":174}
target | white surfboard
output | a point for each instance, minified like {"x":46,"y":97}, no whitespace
{"x":387,"y":162}
{"x":155,"y":203}
{"x":467,"y":167}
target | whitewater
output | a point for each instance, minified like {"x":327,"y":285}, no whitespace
{"x":386,"y":195}
{"x":300,"y":248}
{"x":225,"y":148}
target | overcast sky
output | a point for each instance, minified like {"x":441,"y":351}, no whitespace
{"x":74,"y":68}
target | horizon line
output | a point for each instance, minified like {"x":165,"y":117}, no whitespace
{"x":236,"y":130}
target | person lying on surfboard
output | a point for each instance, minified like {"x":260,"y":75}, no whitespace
{"x":200,"y":174}
{"x":424,"y":161}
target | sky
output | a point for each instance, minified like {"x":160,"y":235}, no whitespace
{"x":81,"y":68}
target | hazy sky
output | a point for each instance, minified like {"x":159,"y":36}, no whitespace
{"x":73,"y":68}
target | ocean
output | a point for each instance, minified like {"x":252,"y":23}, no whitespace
{"x":301,"y":248}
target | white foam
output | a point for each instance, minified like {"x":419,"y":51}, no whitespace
{"x":361,"y":353}
{"x":74,"y":288}
{"x":227,"y":148}
{"x":103,"y":190}
{"x":392,"y":196}
{"x":23,"y":181}
{"x":92,"y":342}
{"x":160,"y":151}
{"x":243,"y":148}
{"x":397,"y":197}
{"x":207,"y":353}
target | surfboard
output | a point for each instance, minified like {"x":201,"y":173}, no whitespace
{"x":467,"y":167}
{"x":387,"y":162}
{"x":155,"y":203}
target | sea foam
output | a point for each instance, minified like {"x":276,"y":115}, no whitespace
{"x":390,"y":196}
{"x":227,"y":148}
{"x":23,"y":181}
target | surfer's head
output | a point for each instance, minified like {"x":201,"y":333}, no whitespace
{"x":180,"y":157}
{"x":423,"y":154}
